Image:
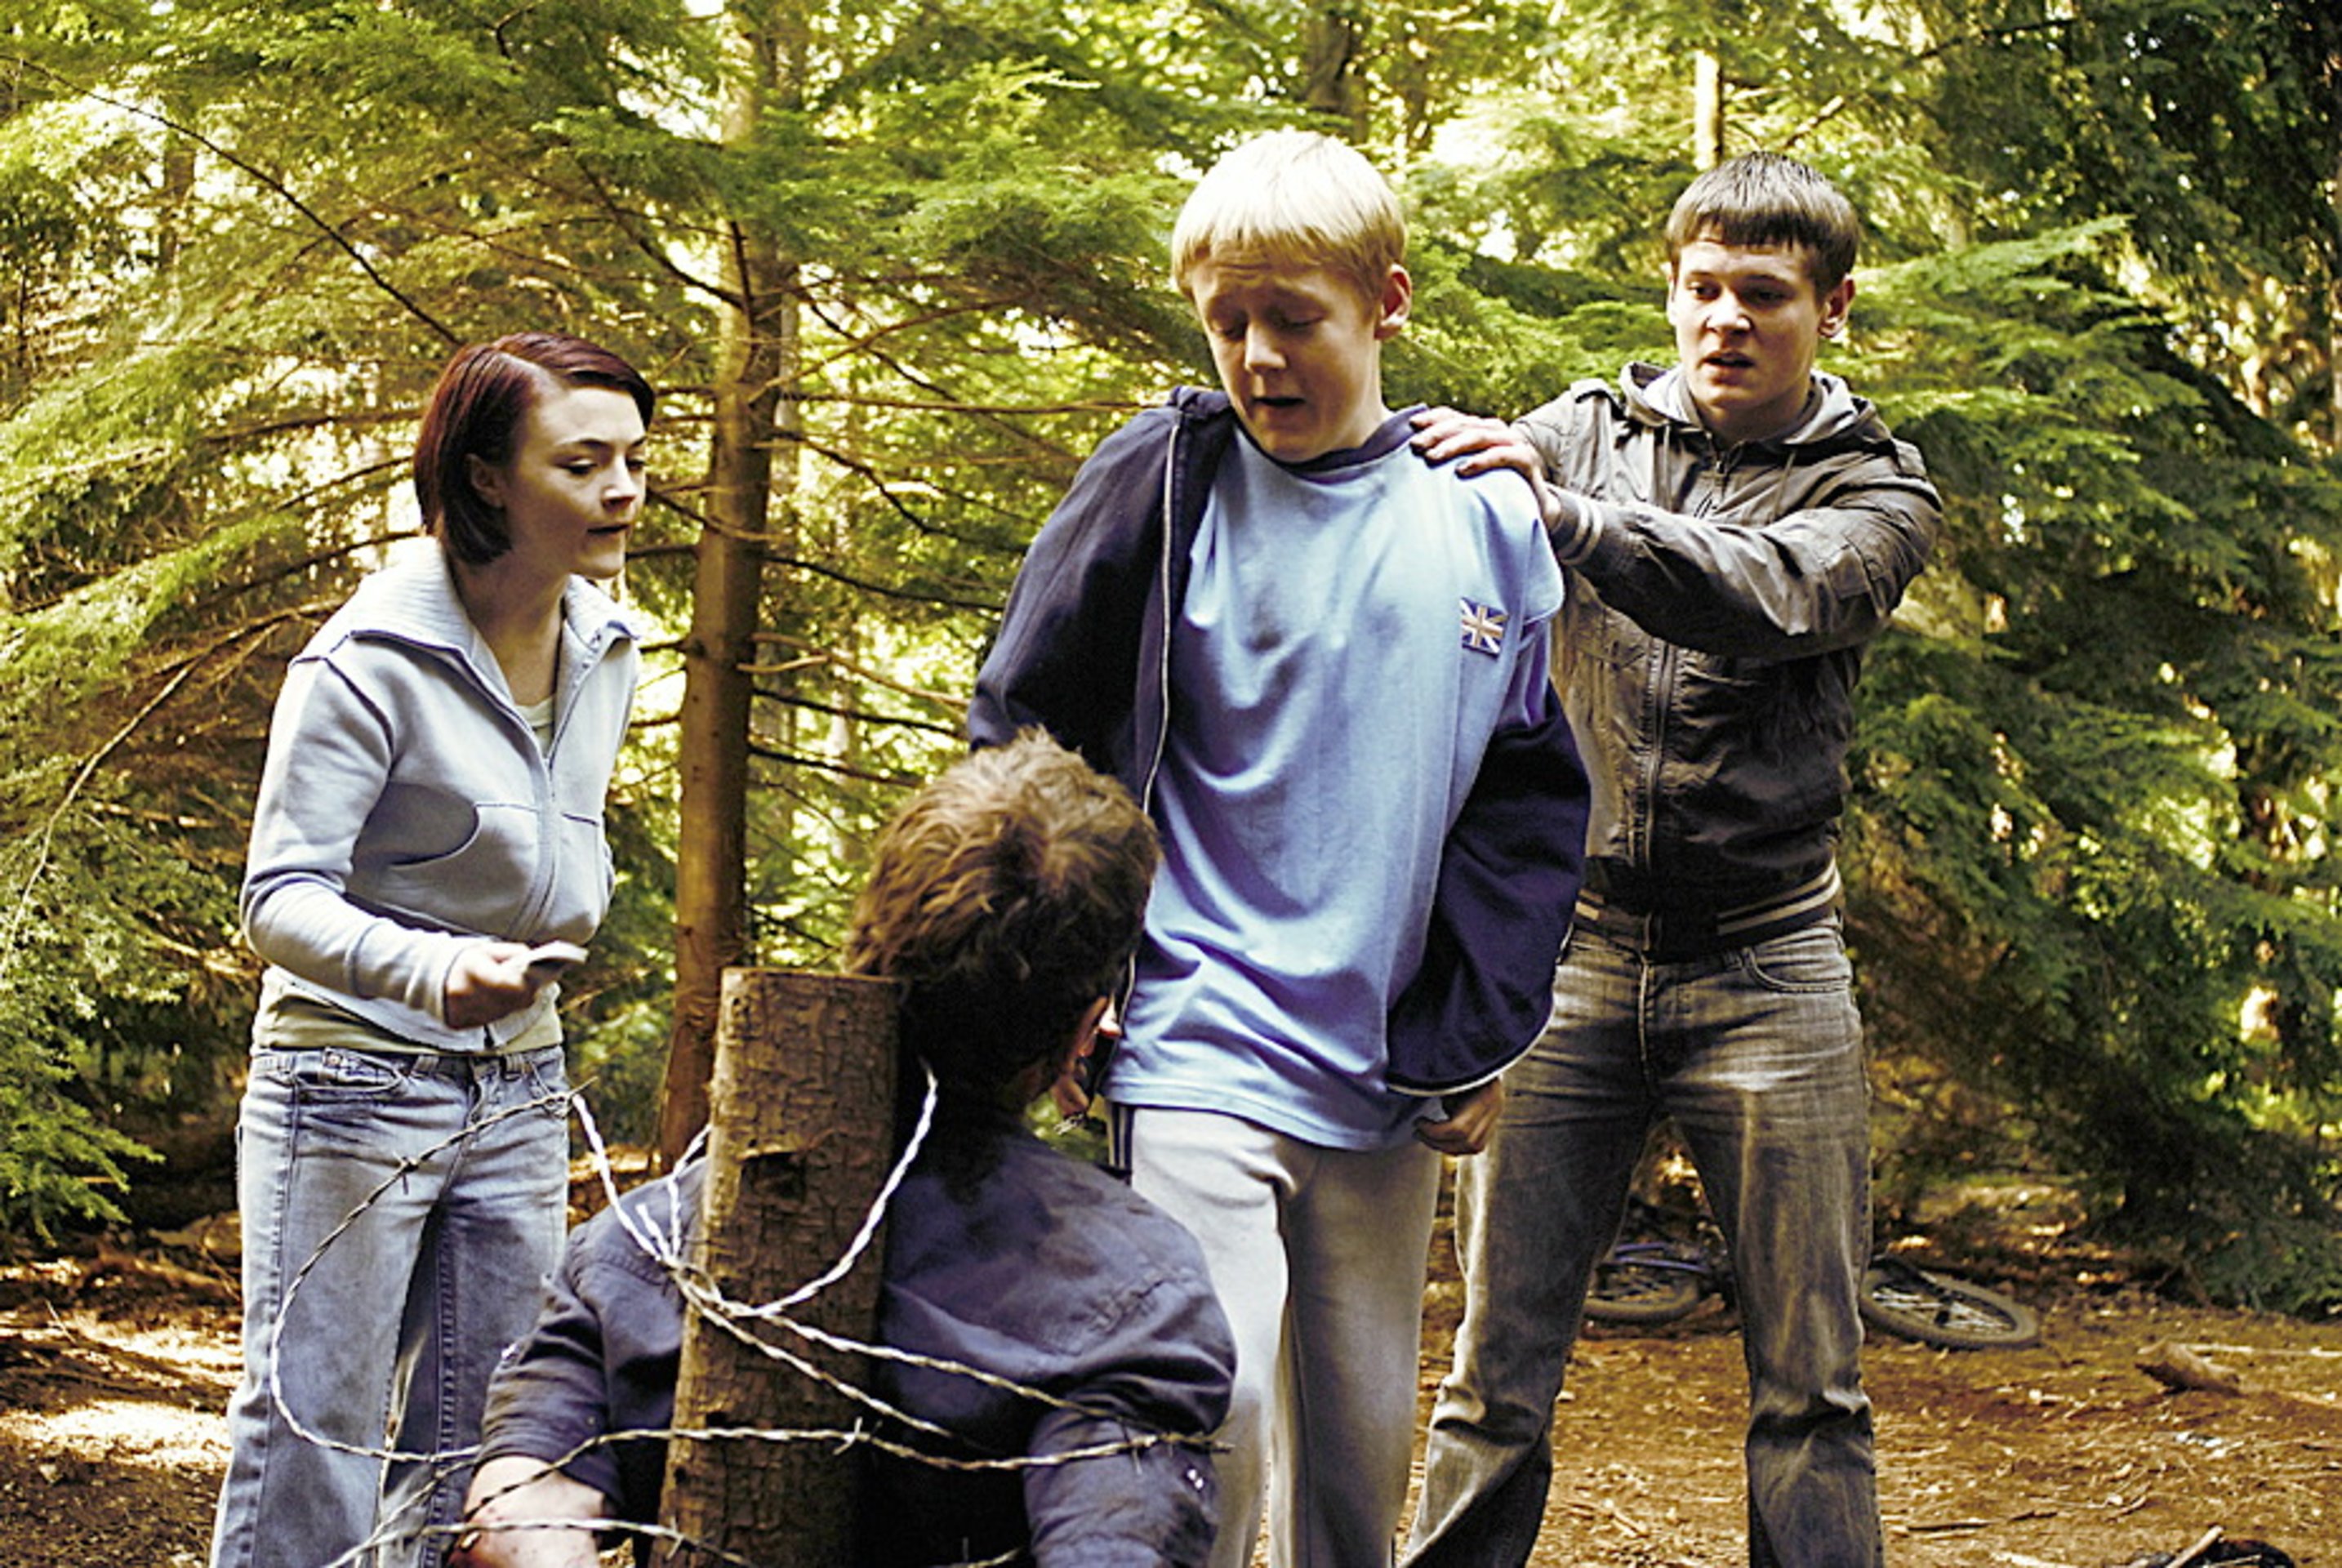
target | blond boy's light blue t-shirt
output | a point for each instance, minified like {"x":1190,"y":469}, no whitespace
{"x":1354,"y":632}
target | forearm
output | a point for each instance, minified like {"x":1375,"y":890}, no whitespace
{"x":1150,"y":1504}
{"x":305,"y":926}
{"x":1825,"y":574}
{"x":592,"y":1381}
{"x":328,"y":767}
{"x":1809,"y":583}
{"x":1145,"y":1492}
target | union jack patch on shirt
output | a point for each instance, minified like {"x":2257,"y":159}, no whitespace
{"x":1484,"y":628}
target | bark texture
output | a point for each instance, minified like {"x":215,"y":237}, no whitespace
{"x":801,"y":1141}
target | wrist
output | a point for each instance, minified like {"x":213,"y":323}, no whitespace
{"x":1568,"y":523}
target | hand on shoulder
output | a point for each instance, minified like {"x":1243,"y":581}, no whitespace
{"x":1478,"y":444}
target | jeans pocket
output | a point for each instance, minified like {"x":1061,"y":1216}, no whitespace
{"x":1803,"y":962}
{"x":336,"y":1074}
{"x":546,"y":1076}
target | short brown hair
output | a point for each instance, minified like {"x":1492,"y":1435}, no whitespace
{"x":482,"y":393}
{"x":1006,"y":895}
{"x":1770,"y":199}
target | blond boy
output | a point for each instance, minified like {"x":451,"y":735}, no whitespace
{"x":1321,"y":664}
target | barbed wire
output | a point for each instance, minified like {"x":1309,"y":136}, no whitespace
{"x":661,"y":1230}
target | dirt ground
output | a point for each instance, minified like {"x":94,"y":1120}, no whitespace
{"x":116,"y":1361}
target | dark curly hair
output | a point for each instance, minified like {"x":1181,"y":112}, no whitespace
{"x":1006,"y":896}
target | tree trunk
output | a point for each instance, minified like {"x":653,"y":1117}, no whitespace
{"x":1707,"y":111}
{"x":172,"y":201}
{"x":802,"y":1141}
{"x":1331,"y":44}
{"x":2334,"y":301}
{"x":756,"y":358}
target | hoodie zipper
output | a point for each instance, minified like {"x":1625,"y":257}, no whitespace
{"x":1162,"y":592}
{"x":1711,"y":473}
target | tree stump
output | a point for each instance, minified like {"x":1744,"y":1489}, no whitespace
{"x":801,"y":1136}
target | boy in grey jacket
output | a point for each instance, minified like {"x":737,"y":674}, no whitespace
{"x":1734,"y":530}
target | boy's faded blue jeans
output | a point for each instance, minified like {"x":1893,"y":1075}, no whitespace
{"x":406,"y":1301}
{"x":1756,"y":1053}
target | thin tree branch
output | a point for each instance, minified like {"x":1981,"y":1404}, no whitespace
{"x":862,"y":715}
{"x":10,"y":948}
{"x":617,"y":214}
{"x":828,"y":765}
{"x":271,"y":181}
{"x":1984,"y":35}
{"x":863,"y":585}
{"x":860,"y":670}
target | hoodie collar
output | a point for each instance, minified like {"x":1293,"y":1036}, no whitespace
{"x":1392,"y":434}
{"x":1195,"y":404}
{"x":1661,"y":396}
{"x":414,"y":598}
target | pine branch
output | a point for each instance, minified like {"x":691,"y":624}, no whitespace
{"x":10,"y":946}
{"x":819,"y":654}
{"x":268,"y":181}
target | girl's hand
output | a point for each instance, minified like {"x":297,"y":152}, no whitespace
{"x":490,"y":980}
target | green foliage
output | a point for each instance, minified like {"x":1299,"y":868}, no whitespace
{"x":615,"y":1004}
{"x":2209,"y":126}
{"x":1489,"y":335}
{"x":2090,"y":855}
{"x":63,"y":965}
{"x":2082,"y":840}
{"x":59,"y":1159}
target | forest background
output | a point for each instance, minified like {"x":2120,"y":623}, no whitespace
{"x":896,"y":266}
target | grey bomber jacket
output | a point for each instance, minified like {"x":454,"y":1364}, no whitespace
{"x":1720,"y":600}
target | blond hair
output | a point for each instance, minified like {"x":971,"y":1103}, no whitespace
{"x":1006,"y":895}
{"x":1295,"y":199}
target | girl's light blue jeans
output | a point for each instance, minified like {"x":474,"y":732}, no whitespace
{"x":1756,"y":1053}
{"x":400,"y":1214}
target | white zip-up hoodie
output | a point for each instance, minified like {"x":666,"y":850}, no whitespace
{"x":408,"y":809}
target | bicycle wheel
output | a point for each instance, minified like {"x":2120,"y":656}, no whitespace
{"x":1936,"y":1309}
{"x":1646,"y":1291}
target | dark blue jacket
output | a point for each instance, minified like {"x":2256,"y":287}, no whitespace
{"x":1001,"y":1255}
{"x":1084,"y":652}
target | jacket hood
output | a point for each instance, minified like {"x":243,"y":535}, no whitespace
{"x":1198,"y":402}
{"x":1657,"y":394}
